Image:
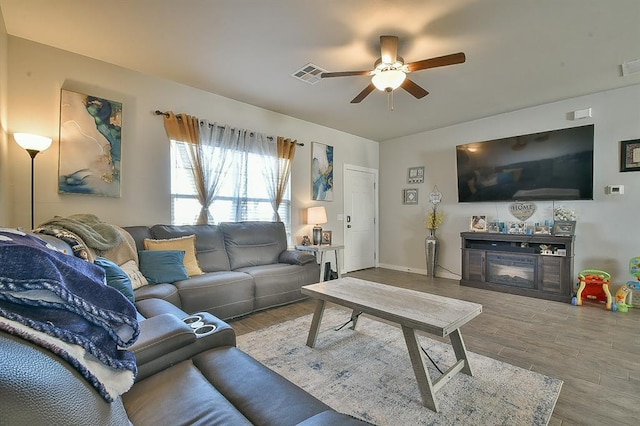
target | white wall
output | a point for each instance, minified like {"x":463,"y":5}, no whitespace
{"x":38,"y":72}
{"x":4,"y":168}
{"x":608,"y":228}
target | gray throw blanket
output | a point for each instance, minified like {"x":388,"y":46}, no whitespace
{"x":61,"y":303}
{"x":95,"y":234}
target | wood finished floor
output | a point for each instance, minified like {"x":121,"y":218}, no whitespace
{"x":595,"y":352}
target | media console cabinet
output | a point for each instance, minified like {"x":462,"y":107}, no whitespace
{"x":515,"y":263}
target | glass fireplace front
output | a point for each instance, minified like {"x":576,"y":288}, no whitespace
{"x":511,"y":269}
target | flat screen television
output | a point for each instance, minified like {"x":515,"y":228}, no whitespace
{"x":551,"y":165}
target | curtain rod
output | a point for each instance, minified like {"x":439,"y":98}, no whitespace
{"x":166,"y":114}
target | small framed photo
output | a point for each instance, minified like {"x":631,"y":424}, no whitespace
{"x":478,"y":224}
{"x":517,"y":228}
{"x":326,"y":238}
{"x":630,"y":156}
{"x":415,"y":175}
{"x":494,"y":227}
{"x":541,"y":229}
{"x":410,"y":196}
{"x":564,"y":227}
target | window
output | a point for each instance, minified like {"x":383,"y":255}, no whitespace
{"x":243,"y":194}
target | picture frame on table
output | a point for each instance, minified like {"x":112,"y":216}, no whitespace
{"x":326,"y":238}
{"x":630,"y":156}
{"x":410,"y":196}
{"x":542,"y":229}
{"x":494,"y":227}
{"x":478,"y":224}
{"x":564,"y":228}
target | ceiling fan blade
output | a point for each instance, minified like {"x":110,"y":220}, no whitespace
{"x":388,"y":49}
{"x":344,"y":74}
{"x":370,"y":88}
{"x":414,"y":89}
{"x":441,"y":61}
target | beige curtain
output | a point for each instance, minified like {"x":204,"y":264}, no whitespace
{"x":286,"y":152}
{"x":186,"y":128}
{"x":181,"y":127}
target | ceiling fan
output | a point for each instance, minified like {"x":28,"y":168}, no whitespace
{"x":390,"y":72}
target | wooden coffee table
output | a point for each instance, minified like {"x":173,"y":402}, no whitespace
{"x":413,"y":310}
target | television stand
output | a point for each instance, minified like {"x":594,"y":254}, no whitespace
{"x":515,"y":263}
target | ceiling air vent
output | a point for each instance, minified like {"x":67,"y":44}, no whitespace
{"x":309,"y":73}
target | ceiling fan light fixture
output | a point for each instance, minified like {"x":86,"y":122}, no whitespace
{"x":388,"y":80}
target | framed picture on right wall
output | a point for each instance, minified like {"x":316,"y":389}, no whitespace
{"x":630,"y":155}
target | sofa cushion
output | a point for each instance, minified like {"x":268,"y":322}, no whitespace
{"x":180,"y":395}
{"x":253,"y":243}
{"x":162,"y":291}
{"x":280,"y":283}
{"x":225,"y":294}
{"x":210,"y":250}
{"x":186,"y":244}
{"x":269,"y":399}
{"x":116,"y":277}
{"x":139,"y":234}
{"x":163,"y":266}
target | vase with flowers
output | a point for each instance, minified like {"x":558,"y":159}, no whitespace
{"x":435,"y":218}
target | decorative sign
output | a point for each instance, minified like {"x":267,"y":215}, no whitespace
{"x":436,"y":196}
{"x":522,"y":211}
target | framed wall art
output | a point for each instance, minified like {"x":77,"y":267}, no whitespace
{"x":410,"y":196}
{"x":630,"y":155}
{"x":90,"y":145}
{"x":415,"y":175}
{"x":322,"y":172}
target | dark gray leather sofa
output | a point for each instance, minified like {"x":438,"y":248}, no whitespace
{"x":247,"y":268}
{"x":182,"y":380}
{"x":186,"y":376}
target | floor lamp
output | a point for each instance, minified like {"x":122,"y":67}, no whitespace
{"x":33,"y":144}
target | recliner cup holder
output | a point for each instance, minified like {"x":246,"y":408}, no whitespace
{"x":205,"y":330}
{"x":192,"y":319}
{"x":199,"y":327}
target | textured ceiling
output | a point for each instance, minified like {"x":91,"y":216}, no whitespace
{"x":519,"y":53}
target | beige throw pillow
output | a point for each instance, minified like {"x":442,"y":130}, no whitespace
{"x":186,"y":244}
{"x":138,"y":280}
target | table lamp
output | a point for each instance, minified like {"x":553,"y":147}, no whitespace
{"x":33,"y":144}
{"x":316,"y":216}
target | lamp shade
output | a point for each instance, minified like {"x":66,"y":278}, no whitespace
{"x":388,"y":80}
{"x":32,"y":142}
{"x":316,"y":215}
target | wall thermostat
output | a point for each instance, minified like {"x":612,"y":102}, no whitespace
{"x":614,"y":189}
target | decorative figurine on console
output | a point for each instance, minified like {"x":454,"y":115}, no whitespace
{"x":306,"y":241}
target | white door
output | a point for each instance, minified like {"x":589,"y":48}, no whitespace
{"x":360,"y":211}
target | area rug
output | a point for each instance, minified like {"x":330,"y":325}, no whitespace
{"x":367,"y":373}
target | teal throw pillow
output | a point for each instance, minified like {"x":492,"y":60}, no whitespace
{"x":163,"y":266}
{"x":116,"y":277}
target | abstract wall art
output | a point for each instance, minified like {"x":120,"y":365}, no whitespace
{"x":322,"y":172}
{"x":90,"y":145}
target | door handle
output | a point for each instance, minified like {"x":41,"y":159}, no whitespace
{"x":348,"y":219}
{"x":348,"y":226}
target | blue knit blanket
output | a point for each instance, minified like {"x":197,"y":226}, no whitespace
{"x":61,"y":302}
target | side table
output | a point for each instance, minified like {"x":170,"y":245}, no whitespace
{"x":319,"y":251}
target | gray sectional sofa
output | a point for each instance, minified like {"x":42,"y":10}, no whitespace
{"x":247,"y":267}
